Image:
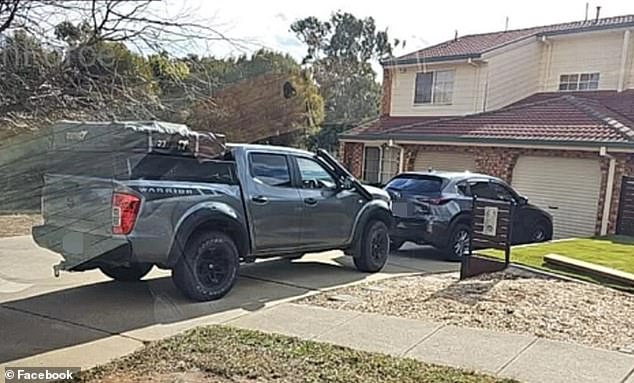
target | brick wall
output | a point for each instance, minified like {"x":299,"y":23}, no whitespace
{"x":624,"y":167}
{"x":499,"y":162}
{"x":386,"y":92}
{"x":351,"y":154}
{"x":630,"y":167}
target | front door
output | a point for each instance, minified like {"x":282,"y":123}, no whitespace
{"x":328,"y":212}
{"x":274,"y":202}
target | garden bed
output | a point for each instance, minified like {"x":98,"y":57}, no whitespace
{"x":515,"y":301}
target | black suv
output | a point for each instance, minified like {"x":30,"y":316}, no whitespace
{"x":435,"y":208}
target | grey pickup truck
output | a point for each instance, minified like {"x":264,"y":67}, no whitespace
{"x":126,"y":196}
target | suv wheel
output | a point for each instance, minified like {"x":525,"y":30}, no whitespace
{"x":374,"y":248}
{"x":540,"y":233}
{"x":209,"y":268}
{"x":131,"y":273}
{"x":459,"y":242}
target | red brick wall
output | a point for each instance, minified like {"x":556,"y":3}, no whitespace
{"x":351,"y":154}
{"x":630,"y":167}
{"x":624,"y":167}
{"x":386,"y":93}
{"x":500,"y":162}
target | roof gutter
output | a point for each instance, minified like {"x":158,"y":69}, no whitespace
{"x":427,"y":60}
{"x":401,"y":139}
{"x":587,"y":29}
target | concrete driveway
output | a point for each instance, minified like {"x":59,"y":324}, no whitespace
{"x":83,"y":319}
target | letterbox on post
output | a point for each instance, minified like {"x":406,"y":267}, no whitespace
{"x":491,"y":227}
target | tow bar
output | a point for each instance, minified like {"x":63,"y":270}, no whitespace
{"x":56,"y":269}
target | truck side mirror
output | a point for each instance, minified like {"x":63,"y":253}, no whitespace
{"x":346,"y":184}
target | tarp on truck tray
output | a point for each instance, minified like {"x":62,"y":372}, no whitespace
{"x":134,"y":136}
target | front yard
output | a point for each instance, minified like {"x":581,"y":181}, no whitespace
{"x":510,"y":301}
{"x":223,"y":354}
{"x":616,"y":252}
{"x":18,"y":224}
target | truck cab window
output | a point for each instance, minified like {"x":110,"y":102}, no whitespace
{"x":313,"y":175}
{"x":271,"y":169}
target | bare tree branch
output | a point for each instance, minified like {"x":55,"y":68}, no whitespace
{"x":8,"y":11}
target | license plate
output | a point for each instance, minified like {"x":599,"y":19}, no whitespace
{"x":399,"y":209}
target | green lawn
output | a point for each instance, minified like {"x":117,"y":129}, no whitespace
{"x":221,"y":354}
{"x":616,"y":252}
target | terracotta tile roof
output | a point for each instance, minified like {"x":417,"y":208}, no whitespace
{"x":387,"y":123}
{"x":475,"y":45}
{"x":588,"y":117}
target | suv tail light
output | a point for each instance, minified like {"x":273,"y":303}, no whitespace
{"x":433,"y":201}
{"x":125,"y":208}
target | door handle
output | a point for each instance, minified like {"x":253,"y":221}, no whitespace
{"x":310,"y":201}
{"x":553,"y":207}
{"x":259,"y":199}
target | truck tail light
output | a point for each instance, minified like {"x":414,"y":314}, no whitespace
{"x":125,"y":208}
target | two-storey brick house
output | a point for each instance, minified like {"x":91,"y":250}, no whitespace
{"x":549,"y":109}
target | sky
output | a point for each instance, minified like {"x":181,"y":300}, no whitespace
{"x":419,"y":23}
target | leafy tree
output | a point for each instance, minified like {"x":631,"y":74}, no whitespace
{"x":340,"y":51}
{"x":107,"y":73}
{"x":168,"y":73}
{"x":246,"y":99}
{"x":26,"y":71}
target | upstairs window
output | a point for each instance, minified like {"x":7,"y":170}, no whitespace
{"x":434,"y":87}
{"x":579,"y":81}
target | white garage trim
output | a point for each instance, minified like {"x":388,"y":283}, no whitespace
{"x":568,"y":188}
{"x":446,"y":161}
{"x":608,"y":197}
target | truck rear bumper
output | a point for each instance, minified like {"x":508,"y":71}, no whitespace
{"x":82,"y":251}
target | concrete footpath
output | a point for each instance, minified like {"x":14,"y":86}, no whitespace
{"x":525,"y":358}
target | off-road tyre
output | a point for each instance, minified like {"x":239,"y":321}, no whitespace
{"x":208,"y":269}
{"x":373,"y":249}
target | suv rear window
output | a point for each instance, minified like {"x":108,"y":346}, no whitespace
{"x":418,"y":184}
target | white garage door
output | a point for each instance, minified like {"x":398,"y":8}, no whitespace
{"x":448,"y":161}
{"x":565,"y":187}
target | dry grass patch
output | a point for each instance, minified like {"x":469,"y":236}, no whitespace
{"x":224,"y":354}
